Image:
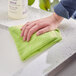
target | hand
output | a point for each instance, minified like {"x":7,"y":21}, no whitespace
{"x":40,"y":26}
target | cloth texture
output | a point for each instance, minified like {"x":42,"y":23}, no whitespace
{"x":36,"y":45}
{"x":66,"y":8}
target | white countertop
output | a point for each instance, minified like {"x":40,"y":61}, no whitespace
{"x":10,"y":62}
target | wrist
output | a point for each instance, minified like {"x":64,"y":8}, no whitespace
{"x":57,"y":17}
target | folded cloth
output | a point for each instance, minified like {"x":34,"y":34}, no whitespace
{"x":36,"y":45}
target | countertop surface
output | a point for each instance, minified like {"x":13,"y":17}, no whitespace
{"x":10,"y":63}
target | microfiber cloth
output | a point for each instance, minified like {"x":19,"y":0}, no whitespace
{"x":36,"y":45}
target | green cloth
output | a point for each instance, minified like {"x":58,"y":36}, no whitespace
{"x":36,"y":45}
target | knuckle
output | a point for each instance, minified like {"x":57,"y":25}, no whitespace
{"x":37,"y":23}
{"x":30,"y":31}
{"x":27,"y":23}
{"x":40,"y":31}
{"x":37,"y":26}
{"x":27,"y":28}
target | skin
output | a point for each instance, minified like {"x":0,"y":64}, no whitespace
{"x":40,"y":26}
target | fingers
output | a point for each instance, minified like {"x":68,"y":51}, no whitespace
{"x":27,"y":24}
{"x":25,"y":35}
{"x":27,"y":30}
{"x":24,"y":25}
{"x":32,"y":31}
{"x":23,"y":28}
{"x":44,"y":30}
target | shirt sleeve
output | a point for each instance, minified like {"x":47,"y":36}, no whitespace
{"x":65,"y":8}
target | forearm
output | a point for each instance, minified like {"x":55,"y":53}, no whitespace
{"x":65,"y":8}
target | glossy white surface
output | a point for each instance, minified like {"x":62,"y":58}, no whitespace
{"x":39,"y":65}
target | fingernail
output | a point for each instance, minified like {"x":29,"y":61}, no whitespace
{"x":27,"y":40}
{"x":37,"y":34}
{"x":24,"y":38}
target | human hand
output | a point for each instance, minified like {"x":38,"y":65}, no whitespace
{"x":40,"y":26}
